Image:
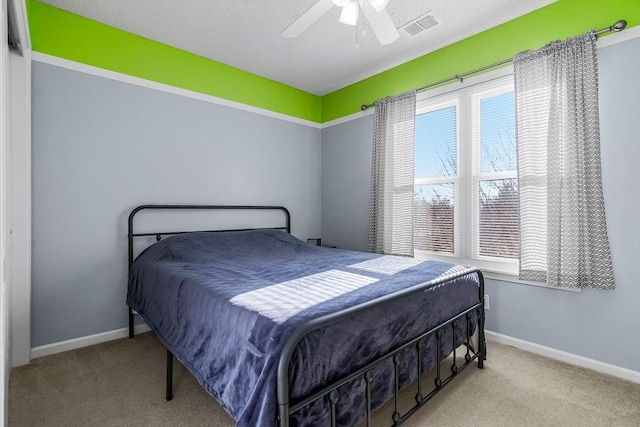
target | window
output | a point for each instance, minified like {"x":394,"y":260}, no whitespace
{"x":465,"y":184}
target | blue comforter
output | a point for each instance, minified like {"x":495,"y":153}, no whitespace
{"x":225,"y":304}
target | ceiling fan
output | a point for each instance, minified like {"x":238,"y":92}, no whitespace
{"x":374,"y":11}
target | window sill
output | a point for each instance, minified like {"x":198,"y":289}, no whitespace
{"x":490,"y":270}
{"x":503,"y":277}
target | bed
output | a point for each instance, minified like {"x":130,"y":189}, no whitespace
{"x":281,"y":332}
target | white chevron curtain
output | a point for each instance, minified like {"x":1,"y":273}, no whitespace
{"x":563,"y":232}
{"x":391,"y":209}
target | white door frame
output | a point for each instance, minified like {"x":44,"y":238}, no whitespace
{"x":18,"y":185}
{"x":4,"y":175}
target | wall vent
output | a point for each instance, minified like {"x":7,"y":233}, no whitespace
{"x":420,"y":24}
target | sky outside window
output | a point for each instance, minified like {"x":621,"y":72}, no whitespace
{"x":498,"y":133}
{"x":436,"y":143}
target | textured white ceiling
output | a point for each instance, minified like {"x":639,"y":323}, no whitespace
{"x":246,"y":33}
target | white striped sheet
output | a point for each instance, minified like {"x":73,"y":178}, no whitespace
{"x":454,"y":271}
{"x":284,"y":300}
{"x":387,"y":264}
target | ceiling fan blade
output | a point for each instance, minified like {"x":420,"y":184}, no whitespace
{"x":381,"y":24}
{"x":309,"y":17}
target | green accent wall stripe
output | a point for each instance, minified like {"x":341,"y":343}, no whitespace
{"x":66,"y":35}
{"x":63,"y":34}
{"x":559,"y":20}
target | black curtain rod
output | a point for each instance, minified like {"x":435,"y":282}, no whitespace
{"x":618,"y":26}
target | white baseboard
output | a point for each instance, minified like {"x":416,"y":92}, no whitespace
{"x":59,"y":347}
{"x":563,"y":356}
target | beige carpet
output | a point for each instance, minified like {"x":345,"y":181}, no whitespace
{"x":121,"y":383}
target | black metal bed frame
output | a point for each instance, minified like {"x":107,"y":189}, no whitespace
{"x":285,"y":408}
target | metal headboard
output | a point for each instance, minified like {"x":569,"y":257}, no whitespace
{"x":131,"y":235}
{"x":158,"y":235}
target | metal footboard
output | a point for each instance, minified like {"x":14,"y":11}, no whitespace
{"x":286,"y":410}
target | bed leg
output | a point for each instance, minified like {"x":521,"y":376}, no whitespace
{"x":130,"y":322}
{"x":482,"y":343}
{"x":169,"y":394}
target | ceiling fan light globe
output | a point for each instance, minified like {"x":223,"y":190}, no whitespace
{"x":378,"y":5}
{"x":349,"y":14}
{"x":340,"y":3}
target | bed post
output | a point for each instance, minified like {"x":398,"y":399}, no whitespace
{"x":282,"y":377}
{"x":169,"y":394}
{"x":130,"y":322}
{"x":283,"y":415}
{"x":130,"y":259}
{"x":282,"y":388}
{"x":481,"y":338}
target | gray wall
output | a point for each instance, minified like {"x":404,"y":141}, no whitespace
{"x":346,"y":180}
{"x":595,"y":324}
{"x":102,"y":147}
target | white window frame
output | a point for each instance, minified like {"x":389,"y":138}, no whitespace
{"x":427,"y":108}
{"x":499,"y":88}
{"x":466,"y":96}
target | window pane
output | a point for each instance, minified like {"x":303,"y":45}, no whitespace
{"x":499,"y":219}
{"x":498,"y":133}
{"x":433,"y":227}
{"x":436,"y":143}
